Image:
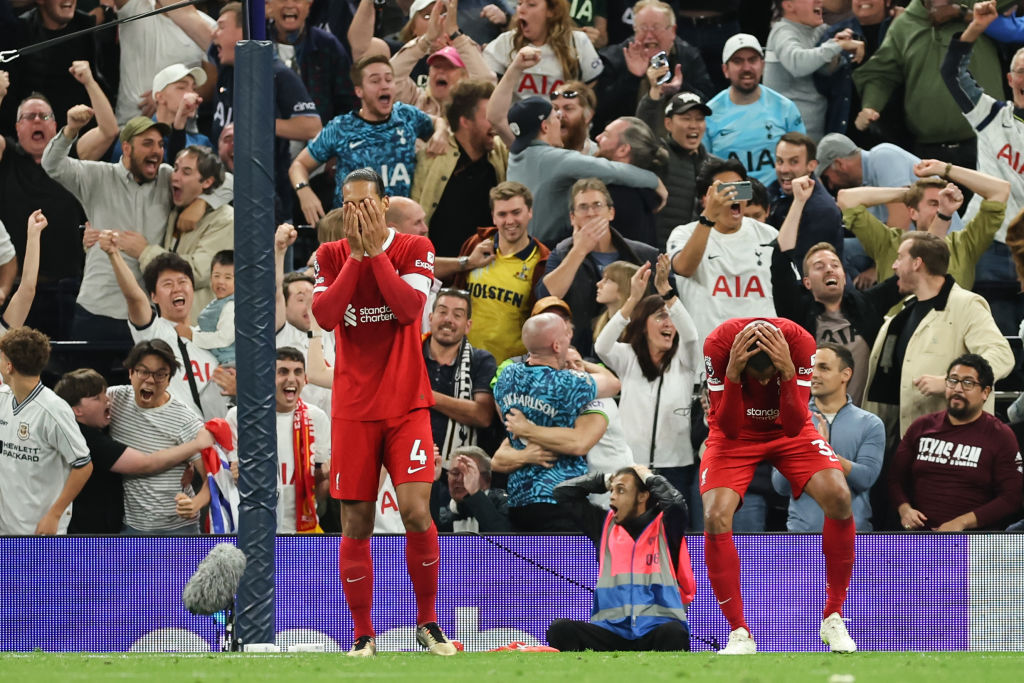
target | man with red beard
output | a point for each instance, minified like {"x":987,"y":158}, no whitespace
{"x":133,"y":194}
{"x":576,"y":103}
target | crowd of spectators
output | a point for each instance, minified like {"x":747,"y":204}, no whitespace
{"x":604,"y":184}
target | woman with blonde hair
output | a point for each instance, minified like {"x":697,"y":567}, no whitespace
{"x":612,"y":290}
{"x":565,"y":53}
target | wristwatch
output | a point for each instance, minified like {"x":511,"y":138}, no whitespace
{"x":668,"y":295}
{"x":463,"y":263}
{"x":704,"y":220}
{"x":454,"y":34}
{"x":300,"y":185}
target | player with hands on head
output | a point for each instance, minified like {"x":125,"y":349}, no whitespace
{"x":759,"y":377}
{"x":370,"y":289}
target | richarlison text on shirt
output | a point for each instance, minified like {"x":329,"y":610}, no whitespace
{"x":510,"y":401}
{"x":943,"y":452}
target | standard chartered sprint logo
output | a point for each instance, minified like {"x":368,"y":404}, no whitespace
{"x":763,"y":413}
{"x":371,"y":314}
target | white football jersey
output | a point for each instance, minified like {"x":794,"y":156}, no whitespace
{"x":41,"y":442}
{"x":734,"y":278}
{"x":1000,"y":154}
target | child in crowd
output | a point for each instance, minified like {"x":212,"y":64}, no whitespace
{"x":612,"y":290}
{"x":217,"y":321}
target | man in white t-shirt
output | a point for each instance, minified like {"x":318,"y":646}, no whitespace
{"x":170,"y":283}
{"x":303,"y":446}
{"x":149,"y":45}
{"x":44,"y":461}
{"x":723,"y":259}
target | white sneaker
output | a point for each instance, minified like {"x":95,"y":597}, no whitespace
{"x":833,"y":633}
{"x":740,"y":643}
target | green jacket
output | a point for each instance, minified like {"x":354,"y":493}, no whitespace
{"x":965,"y":246}
{"x":911,"y":55}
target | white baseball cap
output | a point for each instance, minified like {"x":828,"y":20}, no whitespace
{"x":419,"y":5}
{"x":739,"y":42}
{"x":176,"y":72}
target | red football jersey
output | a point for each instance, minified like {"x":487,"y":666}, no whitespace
{"x":762,"y":406}
{"x":379,"y":373}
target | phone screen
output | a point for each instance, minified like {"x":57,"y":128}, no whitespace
{"x":744,"y":191}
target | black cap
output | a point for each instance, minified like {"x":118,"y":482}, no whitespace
{"x":524,"y":118}
{"x":684,"y":102}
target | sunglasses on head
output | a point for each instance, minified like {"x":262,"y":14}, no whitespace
{"x":567,"y":94}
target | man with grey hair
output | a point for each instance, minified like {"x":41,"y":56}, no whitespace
{"x":475,"y":506}
{"x":624,"y":80}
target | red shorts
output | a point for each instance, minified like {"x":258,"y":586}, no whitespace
{"x":404,"y":445}
{"x":730,"y":464}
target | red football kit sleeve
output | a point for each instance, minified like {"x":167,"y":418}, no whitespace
{"x":374,"y":307}
{"x":747,"y":410}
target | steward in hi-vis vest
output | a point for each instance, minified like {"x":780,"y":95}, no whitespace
{"x":645,"y":580}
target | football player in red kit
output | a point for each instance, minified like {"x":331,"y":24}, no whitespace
{"x":759,"y":382}
{"x":370,"y":290}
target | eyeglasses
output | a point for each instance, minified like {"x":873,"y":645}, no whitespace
{"x":35,"y":116}
{"x":157,"y":375}
{"x":567,"y":94}
{"x":967,"y":384}
{"x":650,"y":29}
{"x":587,"y":208}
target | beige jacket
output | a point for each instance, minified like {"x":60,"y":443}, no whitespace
{"x":432,"y":173}
{"x":215,"y":232}
{"x":416,"y":49}
{"x":961,"y":324}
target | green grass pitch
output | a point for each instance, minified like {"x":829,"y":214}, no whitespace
{"x":488,"y":667}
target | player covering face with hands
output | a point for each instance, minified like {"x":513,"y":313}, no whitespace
{"x":759,"y":378}
{"x":370,"y":290}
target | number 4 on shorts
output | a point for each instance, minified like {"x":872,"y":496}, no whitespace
{"x":418,"y":456}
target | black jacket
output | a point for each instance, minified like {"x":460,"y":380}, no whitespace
{"x":865,"y":310}
{"x":619,"y":91}
{"x":582,"y":292}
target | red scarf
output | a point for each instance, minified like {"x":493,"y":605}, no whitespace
{"x":305,"y":489}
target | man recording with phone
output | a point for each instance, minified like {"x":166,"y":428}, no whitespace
{"x":723,"y":259}
{"x":624,"y":80}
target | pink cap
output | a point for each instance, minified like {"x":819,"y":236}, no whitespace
{"x":450,"y":53}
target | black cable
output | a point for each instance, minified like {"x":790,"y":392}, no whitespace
{"x":712,"y":642}
{"x":11,"y":55}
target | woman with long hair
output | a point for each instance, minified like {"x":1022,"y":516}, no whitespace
{"x":565,"y":53}
{"x":612,"y":290}
{"x":656,"y":367}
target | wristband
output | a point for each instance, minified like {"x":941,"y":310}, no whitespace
{"x":455,"y":34}
{"x":704,"y":220}
{"x":949,"y":168}
{"x":943,"y":217}
{"x":668,"y":295}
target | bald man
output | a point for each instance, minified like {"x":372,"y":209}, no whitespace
{"x":407,"y":217}
{"x":538,"y":394}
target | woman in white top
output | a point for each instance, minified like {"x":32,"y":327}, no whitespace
{"x":655,"y":367}
{"x":565,"y":54}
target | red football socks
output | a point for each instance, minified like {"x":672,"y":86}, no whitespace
{"x":422,"y":557}
{"x":356,"y":568}
{"x":837,"y":543}
{"x":723,"y":564}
